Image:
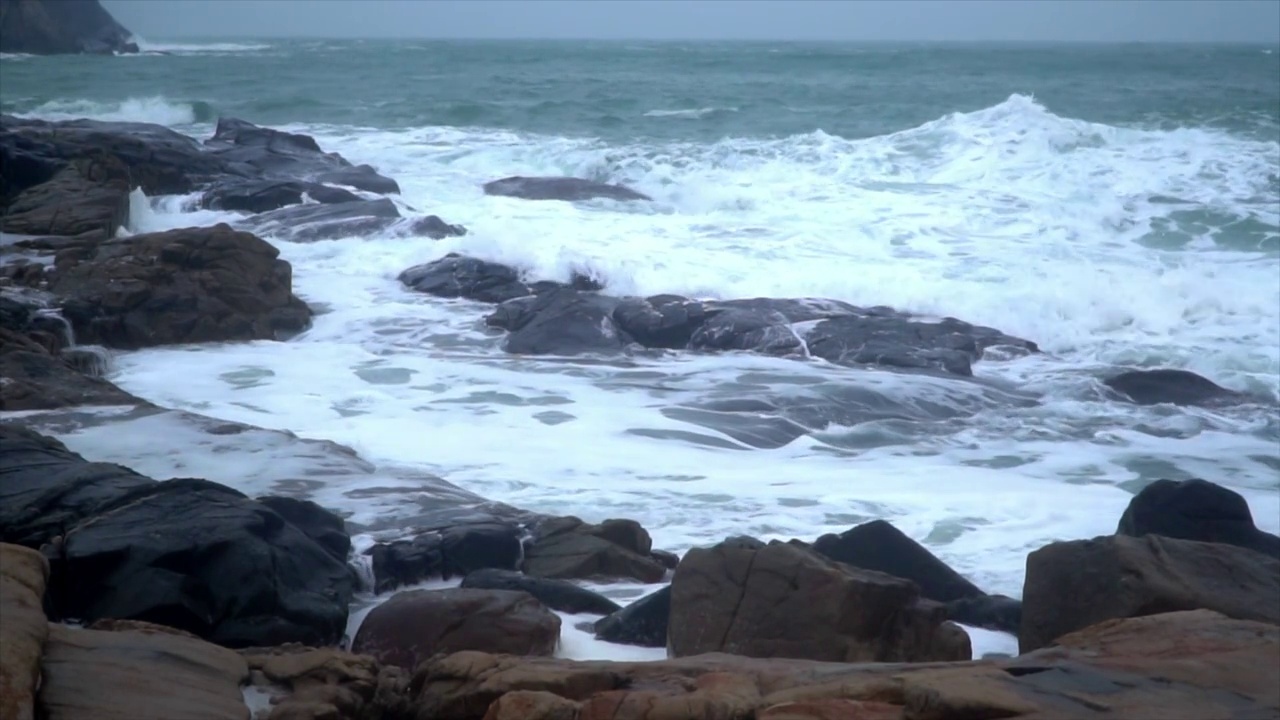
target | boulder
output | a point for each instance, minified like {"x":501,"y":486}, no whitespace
{"x":783,"y":600}
{"x":89,"y":196}
{"x":1072,"y":585}
{"x":643,"y":622}
{"x":185,"y":553}
{"x":559,"y":188}
{"x":23,"y":574}
{"x":265,"y":194}
{"x":456,"y":550}
{"x":139,"y":675}
{"x":265,"y":152}
{"x":879,"y":546}
{"x":417,"y":624}
{"x":1195,"y":510}
{"x":1175,"y":665}
{"x":456,"y":276}
{"x":328,"y":683}
{"x":180,"y":286}
{"x":559,"y":595}
{"x":561,"y":321}
{"x":62,"y":27}
{"x":324,"y":527}
{"x":1178,"y":387}
{"x":568,"y":548}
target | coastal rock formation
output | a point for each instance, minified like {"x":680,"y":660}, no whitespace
{"x":455,"y":549}
{"x":180,"y":286}
{"x":325,"y":683}
{"x":568,"y":548}
{"x":416,"y":624}
{"x":23,"y":574}
{"x":186,"y":553}
{"x":643,"y":622}
{"x":1195,"y":510}
{"x":559,"y":595}
{"x":61,"y":27}
{"x":880,"y":546}
{"x":353,"y":218}
{"x":1176,"y":665}
{"x":88,"y":197}
{"x":783,"y":600}
{"x":559,"y":188}
{"x":1179,"y":387}
{"x":1073,"y":585}
{"x":264,"y":195}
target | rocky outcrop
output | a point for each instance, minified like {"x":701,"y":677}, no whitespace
{"x":456,"y":549}
{"x":139,"y":675}
{"x":180,"y":286}
{"x":559,"y":595}
{"x":559,"y":188}
{"x":326,"y":684}
{"x":568,"y":548}
{"x":1177,"y":665}
{"x":1195,"y":510}
{"x":643,"y":622}
{"x":880,"y":546}
{"x":61,"y":27}
{"x":354,"y":218}
{"x":571,"y":318}
{"x":264,"y":195}
{"x":1072,"y":585}
{"x":187,"y":553}
{"x":416,"y":624}
{"x":783,"y":600}
{"x":89,"y":198}
{"x":1178,"y":387}
{"x":23,"y":631}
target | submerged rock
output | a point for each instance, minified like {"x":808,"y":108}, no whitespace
{"x":354,"y":218}
{"x":559,"y":595}
{"x":259,"y":195}
{"x":643,"y":622}
{"x":1179,"y":387}
{"x":559,"y":188}
{"x":459,"y":549}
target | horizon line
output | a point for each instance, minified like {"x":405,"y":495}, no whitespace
{"x":1074,"y":41}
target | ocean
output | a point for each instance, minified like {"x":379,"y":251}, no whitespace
{"x":1117,"y":204}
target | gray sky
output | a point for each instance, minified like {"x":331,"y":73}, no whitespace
{"x":1029,"y":20}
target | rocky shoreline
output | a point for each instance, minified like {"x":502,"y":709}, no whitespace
{"x":1175,"y":615}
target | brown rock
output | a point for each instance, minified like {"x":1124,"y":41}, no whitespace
{"x":834,"y":709}
{"x":325,"y":682}
{"x":532,"y":705}
{"x":568,"y":548}
{"x":181,"y":286}
{"x":412,"y":626}
{"x":89,"y":196}
{"x":23,"y":629}
{"x":132,"y":675}
{"x":782,"y":600}
{"x":1072,"y":585}
{"x":142,"y":626}
{"x":1182,"y":666}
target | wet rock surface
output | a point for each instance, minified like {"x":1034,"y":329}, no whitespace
{"x":559,"y":188}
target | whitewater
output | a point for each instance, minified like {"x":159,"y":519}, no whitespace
{"x":1112,"y":245}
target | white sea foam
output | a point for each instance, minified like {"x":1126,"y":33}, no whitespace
{"x":189,"y":48}
{"x":692,"y":114}
{"x":155,"y":109}
{"x":1108,"y":246}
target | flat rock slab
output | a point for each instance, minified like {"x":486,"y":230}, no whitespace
{"x":139,"y":675}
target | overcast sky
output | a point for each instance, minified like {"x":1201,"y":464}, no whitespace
{"x":963,"y":20}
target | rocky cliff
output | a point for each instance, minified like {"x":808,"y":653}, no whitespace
{"x":57,"y":27}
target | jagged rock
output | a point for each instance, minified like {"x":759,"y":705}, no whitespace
{"x":181,"y":286}
{"x":89,"y":196}
{"x":1195,"y":510}
{"x":186,"y":553}
{"x":559,"y":595}
{"x":416,"y":624}
{"x":643,"y":622}
{"x":559,"y":188}
{"x":1073,"y":585}
{"x":568,"y":548}
{"x":1176,"y":665}
{"x":139,"y":675}
{"x":456,"y":550}
{"x":23,"y":631}
{"x":314,"y":683}
{"x":1179,"y":387}
{"x":562,"y":321}
{"x":783,"y":600}
{"x":64,"y":27}
{"x":456,"y":276}
{"x":263,"y":195}
{"x":266,"y":152}
{"x":355,"y":218}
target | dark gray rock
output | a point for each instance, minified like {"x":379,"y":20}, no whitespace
{"x":445,"y":553}
{"x":562,"y":321}
{"x":186,"y":553}
{"x":456,"y":276}
{"x":559,"y":188}
{"x":643,"y":622}
{"x":568,"y":548}
{"x":354,"y":218}
{"x":1195,"y":510}
{"x":61,"y":27}
{"x":1178,"y":387}
{"x":878,"y":545}
{"x":264,"y":195}
{"x":559,"y":595}
{"x":324,"y":527}
{"x":88,"y":196}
